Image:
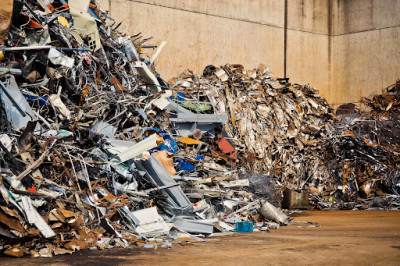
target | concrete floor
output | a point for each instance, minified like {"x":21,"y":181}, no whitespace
{"x":344,"y":238}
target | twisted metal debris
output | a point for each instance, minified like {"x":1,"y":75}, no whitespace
{"x":290,"y":133}
{"x":91,"y":153}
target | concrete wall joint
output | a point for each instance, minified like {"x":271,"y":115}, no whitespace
{"x":346,"y":51}
{"x":362,"y":31}
{"x":200,"y":13}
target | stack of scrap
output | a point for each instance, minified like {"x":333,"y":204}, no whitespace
{"x":362,"y":153}
{"x":96,"y":151}
{"x":277,"y":127}
{"x":291,"y":135}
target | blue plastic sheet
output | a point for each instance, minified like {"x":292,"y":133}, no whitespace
{"x":169,"y":144}
{"x":42,"y":100}
{"x":180,"y":96}
{"x":200,"y":157}
{"x":185,"y":165}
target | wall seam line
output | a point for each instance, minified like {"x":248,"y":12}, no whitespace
{"x":254,"y":22}
{"x":361,"y":31}
{"x":201,"y":13}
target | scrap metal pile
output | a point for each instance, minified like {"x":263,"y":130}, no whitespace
{"x":362,"y":153}
{"x":277,"y":127}
{"x":290,"y":133}
{"x":96,"y":151}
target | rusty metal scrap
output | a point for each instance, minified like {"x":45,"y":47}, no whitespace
{"x":362,"y":153}
{"x":97,"y":150}
{"x":276,"y":126}
{"x":291,"y":134}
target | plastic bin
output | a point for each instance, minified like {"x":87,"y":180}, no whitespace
{"x":244,"y":227}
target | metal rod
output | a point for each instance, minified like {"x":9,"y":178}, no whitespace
{"x":285,"y":23}
{"x":40,"y":47}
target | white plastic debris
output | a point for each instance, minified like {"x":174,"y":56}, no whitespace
{"x":58,"y":58}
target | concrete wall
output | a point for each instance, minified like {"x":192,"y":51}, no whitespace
{"x":308,"y":43}
{"x":200,"y":33}
{"x":366,"y":47}
{"x":345,"y":48}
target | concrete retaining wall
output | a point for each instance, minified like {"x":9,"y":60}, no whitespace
{"x":345,"y":48}
{"x":366,"y":47}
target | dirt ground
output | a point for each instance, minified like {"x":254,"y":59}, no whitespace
{"x":343,"y":238}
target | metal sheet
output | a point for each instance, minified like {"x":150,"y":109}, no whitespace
{"x":34,"y":217}
{"x":193,"y":226}
{"x":148,"y":76}
{"x":150,"y":223}
{"x":161,"y":177}
{"x":18,"y":113}
{"x":139,"y":148}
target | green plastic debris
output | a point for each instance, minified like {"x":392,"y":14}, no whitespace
{"x":198,"y":108}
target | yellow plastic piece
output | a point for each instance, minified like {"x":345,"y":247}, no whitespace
{"x":63,"y":21}
{"x":189,"y":141}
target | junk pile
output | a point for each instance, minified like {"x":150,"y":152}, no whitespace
{"x":291,"y":135}
{"x":362,"y":153}
{"x":96,"y":151}
{"x":276,"y":127}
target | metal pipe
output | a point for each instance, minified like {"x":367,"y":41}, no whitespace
{"x":285,"y":39}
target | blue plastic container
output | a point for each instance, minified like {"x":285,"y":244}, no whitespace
{"x":244,"y":227}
